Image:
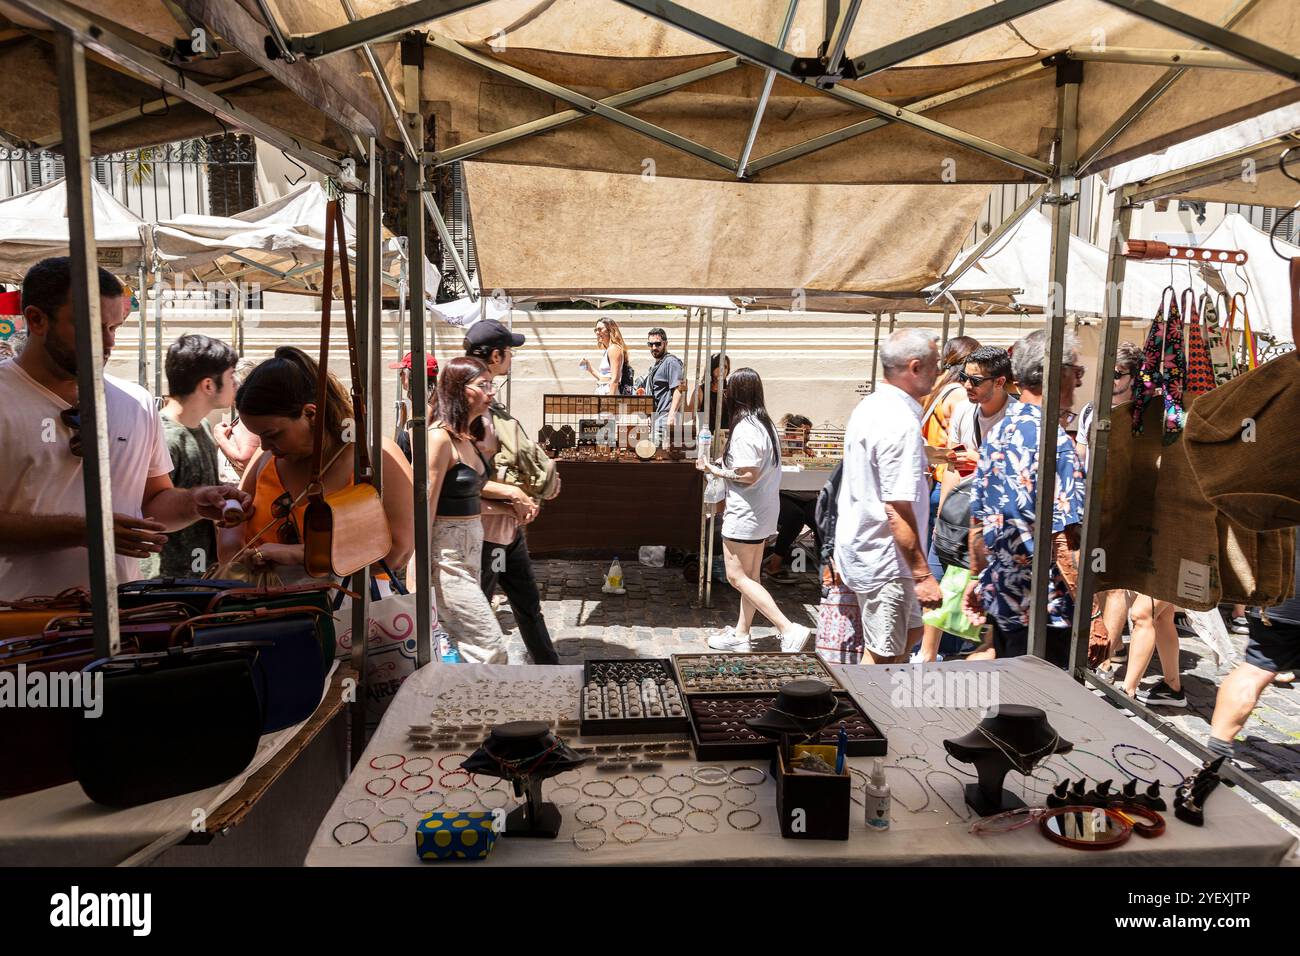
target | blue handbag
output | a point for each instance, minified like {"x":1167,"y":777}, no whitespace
{"x":289,"y":674}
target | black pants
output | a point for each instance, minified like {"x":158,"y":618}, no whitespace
{"x":520,"y":586}
{"x":1014,"y":642}
{"x":795,"y":514}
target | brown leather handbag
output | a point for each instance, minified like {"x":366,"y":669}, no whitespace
{"x":30,"y":615}
{"x":346,"y":530}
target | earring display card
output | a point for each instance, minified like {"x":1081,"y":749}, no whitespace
{"x":714,"y":673}
{"x":719,"y":732}
{"x":636,"y":696}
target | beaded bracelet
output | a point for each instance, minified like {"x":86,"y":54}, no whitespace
{"x":400,"y":836}
{"x":702,"y":813}
{"x":460,"y":799}
{"x":442,"y":781}
{"x":659,"y":787}
{"x":588,"y":849}
{"x":740,"y":792}
{"x":430,"y":795}
{"x":738,"y":826}
{"x":568,"y":803}
{"x":410,"y":768}
{"x":392,"y":784}
{"x":644,"y":830}
{"x":681,"y":776}
{"x":675,"y":826}
{"x":383,"y":807}
{"x":620,"y":812}
{"x":417,"y":789}
{"x":350,"y":823}
{"x":654,"y":805}
{"x":393,"y":766}
{"x":598,"y":796}
{"x":447,"y":756}
{"x":347,"y":808}
{"x":604,"y":812}
{"x":482,"y":798}
{"x":636,"y":786}
{"x":717,"y":802}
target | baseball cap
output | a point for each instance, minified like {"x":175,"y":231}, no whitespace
{"x":489,"y":333}
{"x":430,"y":363}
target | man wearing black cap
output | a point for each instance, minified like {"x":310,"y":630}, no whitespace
{"x":403,"y":436}
{"x":516,"y":460}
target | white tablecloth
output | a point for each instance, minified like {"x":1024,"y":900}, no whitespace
{"x":1236,"y":834}
{"x":61,"y":827}
{"x":804,"y":479}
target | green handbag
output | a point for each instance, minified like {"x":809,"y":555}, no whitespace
{"x":298,"y":595}
{"x":950,"y":617}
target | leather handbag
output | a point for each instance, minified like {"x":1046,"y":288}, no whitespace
{"x":147,"y":628}
{"x":33,"y":740}
{"x":289,"y":675}
{"x":195,"y":592}
{"x":173,"y":722}
{"x":30,"y":615}
{"x":321,"y":596}
{"x":1240,"y":439}
{"x":346,"y":530}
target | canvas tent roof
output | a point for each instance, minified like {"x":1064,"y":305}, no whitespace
{"x":34,"y":225}
{"x":1021,"y":261}
{"x":1237,"y":164}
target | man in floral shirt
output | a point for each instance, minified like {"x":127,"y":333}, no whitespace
{"x":1003,"y":500}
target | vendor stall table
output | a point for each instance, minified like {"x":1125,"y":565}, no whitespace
{"x":615,"y":507}
{"x":936,"y":834}
{"x":799,"y":478}
{"x":60,"y":827}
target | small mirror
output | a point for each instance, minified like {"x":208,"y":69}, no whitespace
{"x":1085,"y":828}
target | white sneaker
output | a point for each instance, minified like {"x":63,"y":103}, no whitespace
{"x":728,"y":640}
{"x":796,"y":640}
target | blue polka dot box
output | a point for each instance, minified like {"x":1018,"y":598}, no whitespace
{"x":455,"y":835}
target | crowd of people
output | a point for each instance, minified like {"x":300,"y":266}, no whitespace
{"x":940,"y":471}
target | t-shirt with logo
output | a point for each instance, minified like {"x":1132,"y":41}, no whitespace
{"x":41,"y":476}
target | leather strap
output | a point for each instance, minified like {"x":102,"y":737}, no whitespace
{"x":250,"y":615}
{"x":354,"y":362}
{"x":315,"y":485}
{"x":1295,"y":302}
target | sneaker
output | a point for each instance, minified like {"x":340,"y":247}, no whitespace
{"x":728,"y":640}
{"x":1239,"y":625}
{"x":784,"y":576}
{"x":1161,"y":694}
{"x":796,"y":639}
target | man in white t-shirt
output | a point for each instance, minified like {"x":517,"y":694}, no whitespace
{"x":42,"y":496}
{"x":884,"y":501}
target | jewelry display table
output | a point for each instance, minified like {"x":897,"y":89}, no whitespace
{"x":930,"y":819}
{"x":61,"y":827}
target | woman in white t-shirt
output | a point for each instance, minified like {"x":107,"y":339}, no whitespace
{"x":752,"y":470}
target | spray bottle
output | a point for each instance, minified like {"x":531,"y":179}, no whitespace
{"x":878,"y":798}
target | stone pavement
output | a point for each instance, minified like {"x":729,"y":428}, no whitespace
{"x":660,"y":616}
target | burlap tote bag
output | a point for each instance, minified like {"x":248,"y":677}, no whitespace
{"x":1241,"y":439}
{"x":1158,"y":532}
{"x":1255,"y":567}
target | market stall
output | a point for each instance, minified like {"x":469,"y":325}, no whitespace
{"x":730,"y":816}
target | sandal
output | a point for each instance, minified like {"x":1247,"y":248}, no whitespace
{"x":1285,"y":678}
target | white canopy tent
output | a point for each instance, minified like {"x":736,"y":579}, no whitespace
{"x":1264,"y":278}
{"x":34,"y":226}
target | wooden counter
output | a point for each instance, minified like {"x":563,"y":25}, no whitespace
{"x":615,"y":507}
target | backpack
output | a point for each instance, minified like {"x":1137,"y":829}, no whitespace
{"x":952,"y":524}
{"x":627,"y":379}
{"x":827,"y":513}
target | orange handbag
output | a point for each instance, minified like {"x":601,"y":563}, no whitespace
{"x":346,"y":530}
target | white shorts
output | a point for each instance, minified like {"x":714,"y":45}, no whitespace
{"x":888,"y":613}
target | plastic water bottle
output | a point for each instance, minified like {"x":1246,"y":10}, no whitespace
{"x":447,"y":652}
{"x":704,"y":444}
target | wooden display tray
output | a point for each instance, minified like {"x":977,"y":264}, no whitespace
{"x":762,"y":748}
{"x":822,"y":673}
{"x":632,"y":725}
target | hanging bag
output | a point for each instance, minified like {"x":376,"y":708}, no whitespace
{"x":1200,"y":368}
{"x":346,"y":530}
{"x":839,"y":627}
{"x":1215,"y":338}
{"x":1241,"y":439}
{"x":1163,"y":371}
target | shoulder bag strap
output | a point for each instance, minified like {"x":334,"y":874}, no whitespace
{"x":315,"y":485}
{"x":364,"y":466}
{"x":1295,"y":302}
{"x":1249,"y":356}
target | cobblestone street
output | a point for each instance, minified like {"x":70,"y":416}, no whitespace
{"x":659,"y":615}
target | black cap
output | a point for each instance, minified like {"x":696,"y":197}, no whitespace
{"x":489,"y":333}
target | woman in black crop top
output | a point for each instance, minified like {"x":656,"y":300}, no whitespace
{"x":458,"y":479}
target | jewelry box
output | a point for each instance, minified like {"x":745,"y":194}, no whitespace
{"x":631,"y":696}
{"x":718,"y":731}
{"x":748,"y":673}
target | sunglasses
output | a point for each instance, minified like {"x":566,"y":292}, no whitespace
{"x":282,"y":510}
{"x":1079,"y":372}
{"x":975,"y":380}
{"x":72,"y":418}
{"x":655,"y":345}
{"x":1122,"y":373}
{"x":485,"y":387}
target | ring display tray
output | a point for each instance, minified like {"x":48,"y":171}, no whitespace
{"x":748,"y":673}
{"x":602,"y":672}
{"x":718,"y":730}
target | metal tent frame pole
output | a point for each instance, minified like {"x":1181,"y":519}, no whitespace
{"x":947,"y":321}
{"x":706,"y":393}
{"x":1064,"y":195}
{"x":70,"y":57}
{"x":717,"y":425}
{"x":157,"y":331}
{"x":412,"y":67}
{"x":875,"y":354}
{"x":142,"y":353}
{"x":1099,"y":444}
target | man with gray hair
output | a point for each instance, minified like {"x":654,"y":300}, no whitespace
{"x":1003,"y":499}
{"x":884,"y":502}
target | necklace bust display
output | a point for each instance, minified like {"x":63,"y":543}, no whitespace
{"x":1013,"y":737}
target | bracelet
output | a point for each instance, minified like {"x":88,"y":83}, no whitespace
{"x":567,"y":803}
{"x":416,"y":789}
{"x":460,"y":799}
{"x":400,"y":760}
{"x":347,"y":808}
{"x":505,"y":798}
{"x":717,"y":802}
{"x":675,"y":827}
{"x":577,"y":814}
{"x":740,"y":792}
{"x":411,"y":769}
{"x":636,"y":785}
{"x":762,"y":775}
{"x":740,"y":826}
{"x":392,"y":784}
{"x":702,"y":813}
{"x":445,"y":756}
{"x":415,"y":801}
{"x":588,"y":849}
{"x":681,"y":776}
{"x":716,"y":776}
{"x":350,"y":823}
{"x":400,"y":836}
{"x":630,"y":823}
{"x":598,"y":796}
{"x":618,"y":810}
{"x":442,"y":781}
{"x":654,"y":805}
{"x":662,"y":785}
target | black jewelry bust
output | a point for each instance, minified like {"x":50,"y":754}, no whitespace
{"x":1014,"y":737}
{"x":525,"y":752}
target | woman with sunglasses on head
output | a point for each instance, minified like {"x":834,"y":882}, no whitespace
{"x":614,"y":376}
{"x":459,"y":479}
{"x":751,"y":468}
{"x":277,"y":404}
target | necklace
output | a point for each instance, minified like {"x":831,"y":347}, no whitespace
{"x":1128,"y":751}
{"x":1026,"y":758}
{"x":964,"y":813}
